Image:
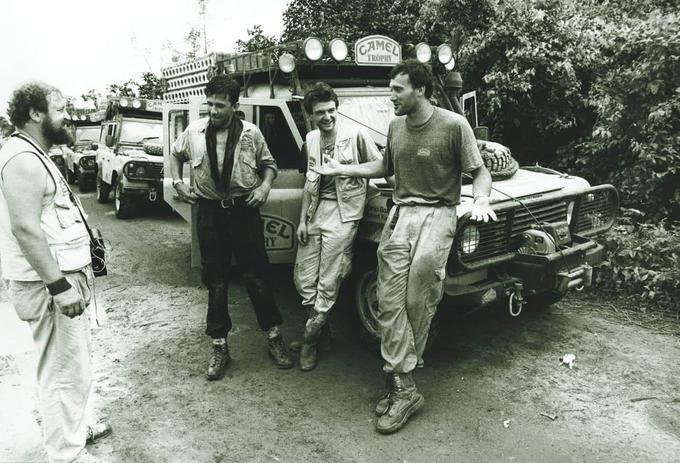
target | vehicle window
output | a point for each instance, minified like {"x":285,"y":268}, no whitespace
{"x":138,"y":131}
{"x":179,"y":120}
{"x":87,"y":134}
{"x":296,"y":110}
{"x":279,"y":137}
{"x":374,"y":113}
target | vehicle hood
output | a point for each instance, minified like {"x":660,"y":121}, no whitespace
{"x":139,"y":154}
{"x":527,"y":183}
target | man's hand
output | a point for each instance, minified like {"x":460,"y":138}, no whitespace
{"x":185,"y":193}
{"x":69,"y":303}
{"x":329,"y":167}
{"x":481,"y":210}
{"x":258,"y":196}
{"x":302,"y":233}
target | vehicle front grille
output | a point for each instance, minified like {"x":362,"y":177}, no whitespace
{"x":594,"y":212}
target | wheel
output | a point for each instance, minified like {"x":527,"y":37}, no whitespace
{"x":103,"y":190}
{"x":365,"y":289}
{"x":122,"y":203}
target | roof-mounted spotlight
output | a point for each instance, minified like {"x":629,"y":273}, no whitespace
{"x":286,"y":62}
{"x":123,"y":103}
{"x":83,"y":117}
{"x":423,"y":52}
{"x":451,"y":64}
{"x":339,"y":49}
{"x":313,"y":48}
{"x":136,"y":104}
{"x":444,"y":53}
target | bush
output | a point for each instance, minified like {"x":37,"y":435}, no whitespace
{"x":643,"y":260}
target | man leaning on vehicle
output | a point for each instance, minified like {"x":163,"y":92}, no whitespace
{"x":427,"y":151}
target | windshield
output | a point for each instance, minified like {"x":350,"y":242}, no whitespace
{"x":139,"y":131}
{"x":371,"y":112}
{"x":87,"y":134}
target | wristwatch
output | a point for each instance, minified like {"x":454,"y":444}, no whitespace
{"x":177,"y":182}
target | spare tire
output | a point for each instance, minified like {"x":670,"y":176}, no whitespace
{"x":497,"y":159}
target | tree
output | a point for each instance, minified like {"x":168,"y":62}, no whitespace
{"x":257,"y":40}
{"x":151,"y":87}
{"x":6,"y":127}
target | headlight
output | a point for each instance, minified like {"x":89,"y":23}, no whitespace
{"x":313,"y":49}
{"x":469,"y":240}
{"x":444,"y":53}
{"x":423,"y":52}
{"x":286,"y":63}
{"x":87,"y":162}
{"x":133,"y":170}
{"x":338,"y":49}
{"x":140,"y":171}
{"x":570,"y":211}
{"x":58,"y":160}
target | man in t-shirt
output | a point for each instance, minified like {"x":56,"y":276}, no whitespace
{"x":427,"y":152}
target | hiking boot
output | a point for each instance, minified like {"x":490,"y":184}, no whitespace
{"x":279,"y":352}
{"x":218,"y":361}
{"x":97,"y":431}
{"x":313,"y":326}
{"x":405,"y":400}
{"x":384,"y":403}
{"x":307,"y":356}
{"x":324,"y":343}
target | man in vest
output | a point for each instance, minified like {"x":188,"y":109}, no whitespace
{"x":45,"y":257}
{"x":232,"y":175}
{"x":427,"y":151}
{"x":331,"y":210}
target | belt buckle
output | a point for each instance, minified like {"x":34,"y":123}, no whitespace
{"x":226,"y":203}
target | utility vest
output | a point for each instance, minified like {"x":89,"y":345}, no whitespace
{"x":351,"y":191}
{"x":60,"y":221}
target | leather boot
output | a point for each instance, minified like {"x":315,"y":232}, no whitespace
{"x":405,"y":401}
{"x":384,"y":403}
{"x":307,"y":356}
{"x":313,"y":326}
{"x":218,"y":361}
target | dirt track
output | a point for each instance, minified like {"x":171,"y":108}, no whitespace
{"x":489,"y":382}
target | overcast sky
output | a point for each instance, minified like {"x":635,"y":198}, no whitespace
{"x":77,"y":45}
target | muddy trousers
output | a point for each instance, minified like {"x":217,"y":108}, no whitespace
{"x":412,"y":255}
{"x":238,"y":230}
{"x":323,"y":263}
{"x":64,"y":370}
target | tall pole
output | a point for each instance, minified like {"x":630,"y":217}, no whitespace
{"x":201,"y":4}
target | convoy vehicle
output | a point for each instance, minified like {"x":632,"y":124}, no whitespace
{"x":541,"y":246}
{"x":129,"y":154}
{"x":81,"y":160}
{"x":58,"y":155}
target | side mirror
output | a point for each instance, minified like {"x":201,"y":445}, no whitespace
{"x":109,"y":140}
{"x":95,"y":146}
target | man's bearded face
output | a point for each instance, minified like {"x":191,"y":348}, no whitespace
{"x":53,"y":125}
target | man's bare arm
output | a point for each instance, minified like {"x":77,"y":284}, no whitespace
{"x":481,"y":189}
{"x":24,"y":202}
{"x":183,"y":191}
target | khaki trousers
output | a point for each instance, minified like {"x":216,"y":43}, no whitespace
{"x":64,"y":371}
{"x":323,"y":263}
{"x":412,"y":258}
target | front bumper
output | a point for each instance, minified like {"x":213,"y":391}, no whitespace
{"x":531,"y":274}
{"x":151,"y":191}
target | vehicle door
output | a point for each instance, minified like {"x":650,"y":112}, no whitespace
{"x":105,"y":154}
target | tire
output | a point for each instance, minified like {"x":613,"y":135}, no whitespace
{"x":123,"y":204}
{"x":103,"y":190}
{"x":365,"y":298}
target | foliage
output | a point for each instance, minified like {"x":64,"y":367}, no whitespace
{"x":351,"y":19}
{"x":257,"y":40}
{"x":635,"y":142}
{"x":644,"y":259}
{"x":151,"y":86}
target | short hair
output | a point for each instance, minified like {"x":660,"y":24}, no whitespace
{"x":320,"y":92}
{"x":222,"y":84}
{"x":29,"y":95}
{"x":419,"y":74}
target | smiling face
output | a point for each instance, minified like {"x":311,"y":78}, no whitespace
{"x":221,"y":110}
{"x":324,"y":115}
{"x":403,"y":96}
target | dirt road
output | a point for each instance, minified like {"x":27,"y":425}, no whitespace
{"x":494,"y":387}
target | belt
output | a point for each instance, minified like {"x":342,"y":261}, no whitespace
{"x":226,"y":203}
